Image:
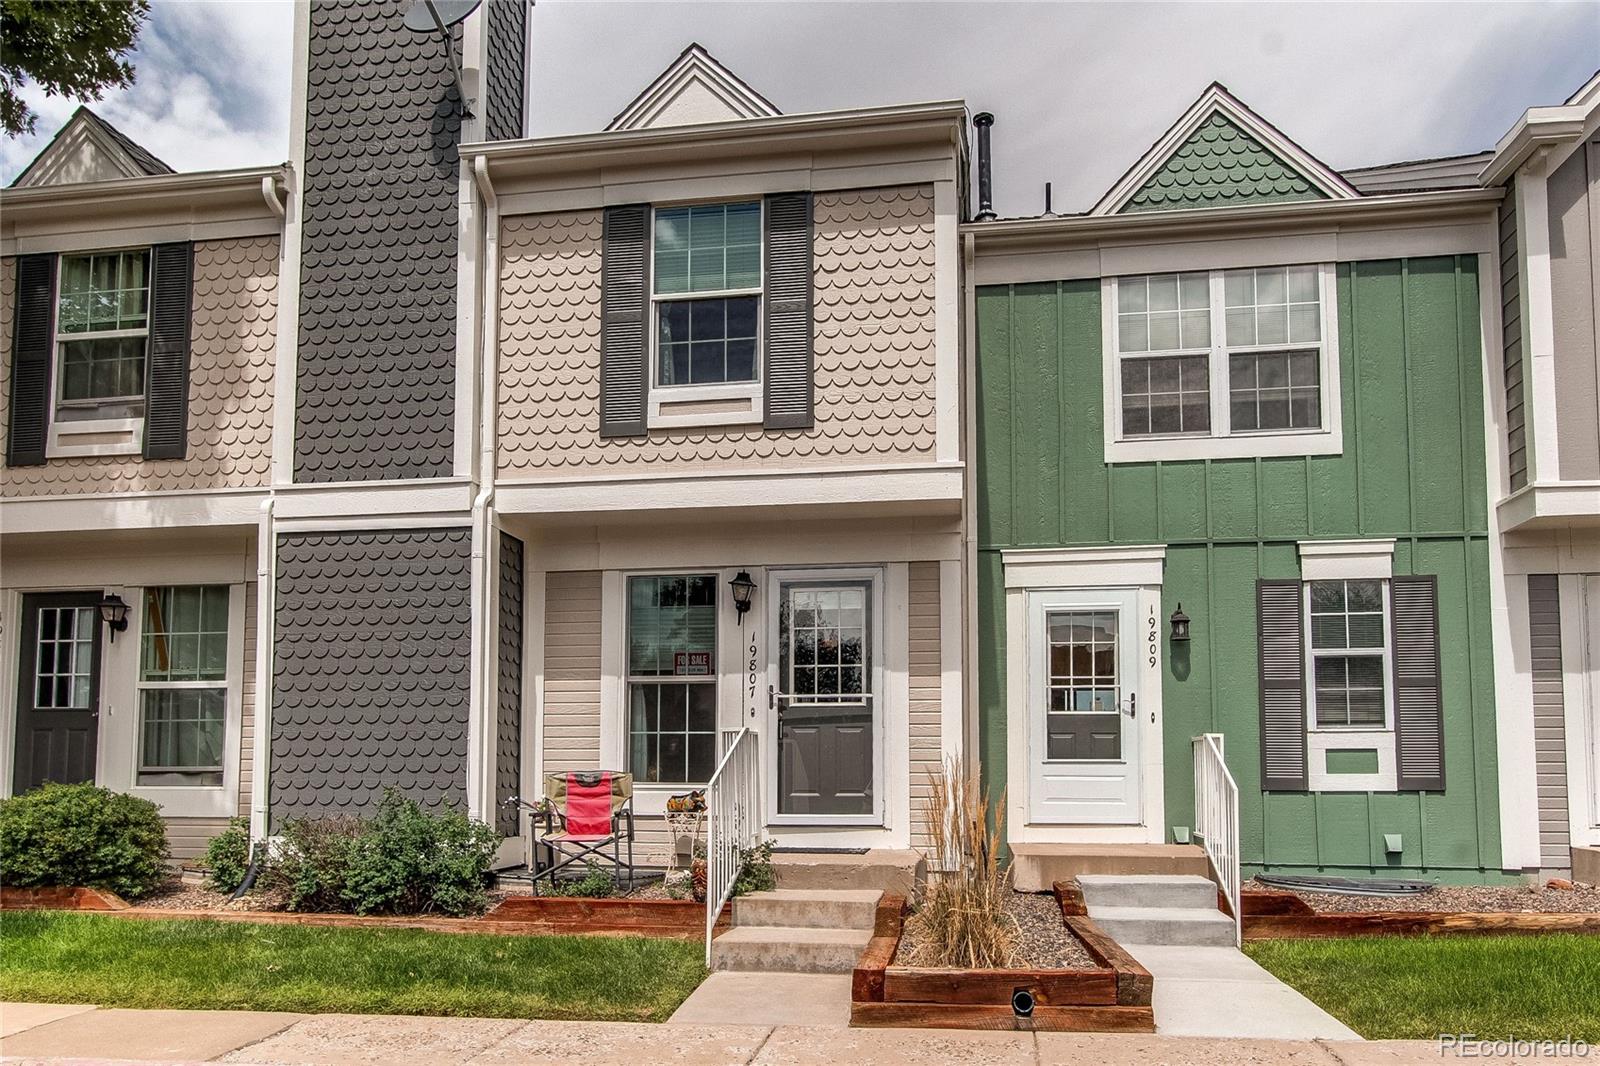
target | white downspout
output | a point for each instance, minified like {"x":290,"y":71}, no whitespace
{"x":483,"y":673}
{"x":266,"y":596}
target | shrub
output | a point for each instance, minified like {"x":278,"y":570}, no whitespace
{"x":961,"y":917}
{"x":410,"y":861}
{"x":82,"y":835}
{"x":312,"y":861}
{"x":596,"y":883}
{"x":228,"y":856}
{"x":756,"y":874}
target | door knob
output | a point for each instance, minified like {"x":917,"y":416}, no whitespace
{"x":1133,"y":705}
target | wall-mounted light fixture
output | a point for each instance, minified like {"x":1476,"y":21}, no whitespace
{"x":114,"y":613}
{"x":743,"y":588}
{"x":1180,"y":625}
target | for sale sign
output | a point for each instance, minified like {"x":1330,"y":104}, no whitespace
{"x":691,"y":663}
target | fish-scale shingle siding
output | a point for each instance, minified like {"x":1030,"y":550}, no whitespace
{"x":504,"y":78}
{"x":875,"y":352}
{"x":376,"y":363}
{"x":233,"y":335}
{"x":370,"y":670}
{"x":1221,"y":164}
{"x":508,"y":726}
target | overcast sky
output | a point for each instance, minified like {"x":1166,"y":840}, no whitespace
{"x":1079,"y":90}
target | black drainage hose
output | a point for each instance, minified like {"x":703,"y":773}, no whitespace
{"x":249,"y":881}
{"x":1022,"y":1003}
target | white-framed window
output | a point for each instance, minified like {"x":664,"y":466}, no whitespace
{"x":672,"y":677}
{"x":1220,"y":363}
{"x":183,"y":685}
{"x":102,"y":331}
{"x":706,"y":286}
{"x":1347,"y":621}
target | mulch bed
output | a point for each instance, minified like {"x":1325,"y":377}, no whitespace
{"x":1043,"y":940}
{"x":1480,"y":899}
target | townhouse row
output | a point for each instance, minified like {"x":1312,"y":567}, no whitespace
{"x":442,"y":458}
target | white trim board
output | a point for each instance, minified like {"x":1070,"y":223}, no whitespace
{"x":1077,"y":567}
{"x":1333,"y":559}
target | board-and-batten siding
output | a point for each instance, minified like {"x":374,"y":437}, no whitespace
{"x":923,"y":668}
{"x":1549,"y":720}
{"x":1511,"y":342}
{"x":188,"y":837}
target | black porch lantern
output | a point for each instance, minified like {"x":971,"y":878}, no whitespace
{"x":743,"y":588}
{"x":1180,"y":625}
{"x":114,"y":613}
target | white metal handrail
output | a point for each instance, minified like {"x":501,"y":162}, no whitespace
{"x":1216,"y":819}
{"x":733,"y":823}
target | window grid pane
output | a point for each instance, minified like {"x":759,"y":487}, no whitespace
{"x":704,"y":342}
{"x":707,"y":248}
{"x":1274,"y":390}
{"x":1348,"y":651}
{"x":1164,"y":313}
{"x":1166,"y":395}
{"x":103,"y":292}
{"x":825,"y":644}
{"x":672,"y":634}
{"x":64,"y":658}
{"x":182,"y":729}
{"x":102,"y":368}
{"x":1272,"y":305}
{"x":185,"y":634}
{"x":1083,"y":662}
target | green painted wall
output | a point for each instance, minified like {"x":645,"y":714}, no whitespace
{"x":1412,"y":469}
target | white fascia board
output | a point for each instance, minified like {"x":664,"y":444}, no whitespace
{"x":1112,"y":565}
{"x":1537,"y":128}
{"x":381,"y":503}
{"x":131,"y":510}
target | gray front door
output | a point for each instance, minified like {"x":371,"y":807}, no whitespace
{"x":825,"y":700}
{"x":58,"y":702}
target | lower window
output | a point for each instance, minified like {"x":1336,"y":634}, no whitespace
{"x":183,"y":685}
{"x":1166,"y":394}
{"x":1350,"y":654}
{"x":672,"y":684}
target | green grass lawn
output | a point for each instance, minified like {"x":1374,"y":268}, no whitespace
{"x":118,"y":962}
{"x":1499,"y":987}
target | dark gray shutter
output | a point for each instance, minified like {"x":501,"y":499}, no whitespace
{"x":624,"y":306}
{"x":1281,"y":641}
{"x":32,"y":341}
{"x":1419,"y":705}
{"x":166,"y":390}
{"x":788,"y":369}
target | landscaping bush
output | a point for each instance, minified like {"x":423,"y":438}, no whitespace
{"x":228,"y":856}
{"x":82,"y":835}
{"x":312,"y":861}
{"x":596,"y":883}
{"x":409,"y":861}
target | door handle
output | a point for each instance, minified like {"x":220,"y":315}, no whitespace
{"x":1133,"y":705}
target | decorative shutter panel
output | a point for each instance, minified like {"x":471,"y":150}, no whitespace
{"x":166,"y":390}
{"x":32,"y":343}
{"x":624,"y":306}
{"x":1419,"y":705}
{"x":1281,"y":640}
{"x":788,"y":369}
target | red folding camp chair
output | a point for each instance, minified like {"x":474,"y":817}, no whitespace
{"x":587,"y":816}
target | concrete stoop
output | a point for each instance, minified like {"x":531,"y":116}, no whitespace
{"x":1036,"y":867}
{"x":895,"y":871}
{"x":797,"y":931}
{"x":1158,"y":909}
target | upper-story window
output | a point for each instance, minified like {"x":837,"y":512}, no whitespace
{"x":102,"y":331}
{"x":1219,"y":363}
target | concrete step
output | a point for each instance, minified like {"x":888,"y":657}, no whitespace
{"x":1035,"y":867}
{"x":808,"y":908}
{"x":789,"y":949}
{"x":1164,"y":926}
{"x":1149,"y":890}
{"x":884,"y":869}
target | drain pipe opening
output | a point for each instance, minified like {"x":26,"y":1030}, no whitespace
{"x":1022,"y":1002}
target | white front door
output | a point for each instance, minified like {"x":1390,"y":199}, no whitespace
{"x":1083,"y":721}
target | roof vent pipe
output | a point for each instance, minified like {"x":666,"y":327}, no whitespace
{"x":984,"y":120}
{"x":1047,"y":212}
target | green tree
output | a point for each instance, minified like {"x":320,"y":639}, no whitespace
{"x":67,"y":47}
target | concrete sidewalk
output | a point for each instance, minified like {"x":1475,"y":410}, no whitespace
{"x":1222,"y":992}
{"x":43,"y":1033}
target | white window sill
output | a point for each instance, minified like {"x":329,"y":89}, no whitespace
{"x":95,"y":437}
{"x":1321,"y":741}
{"x":680,"y":406}
{"x":198,"y":802}
{"x":1239,"y":446}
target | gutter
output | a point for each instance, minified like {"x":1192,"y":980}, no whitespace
{"x":246,"y":181}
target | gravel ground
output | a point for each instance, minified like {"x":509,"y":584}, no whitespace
{"x":178,"y":894}
{"x":1506,"y":898}
{"x":1043,"y":940}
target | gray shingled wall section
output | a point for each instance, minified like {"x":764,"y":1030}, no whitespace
{"x":376,"y":362}
{"x":370,"y":670}
{"x":508,"y":731}
{"x":504,"y":81}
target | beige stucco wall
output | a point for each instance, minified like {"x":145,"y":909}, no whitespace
{"x":233,"y":334}
{"x":874,"y":336}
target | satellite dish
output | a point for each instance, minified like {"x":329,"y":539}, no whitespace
{"x":423,"y":13}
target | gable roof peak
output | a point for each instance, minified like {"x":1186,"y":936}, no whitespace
{"x":694,"y":88}
{"x":1222,"y":153}
{"x":88,"y":148}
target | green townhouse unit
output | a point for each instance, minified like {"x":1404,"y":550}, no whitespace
{"x":1231,"y":481}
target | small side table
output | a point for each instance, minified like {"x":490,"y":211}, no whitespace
{"x":680,"y":824}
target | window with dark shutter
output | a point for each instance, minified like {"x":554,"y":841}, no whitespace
{"x":788,"y":396}
{"x":624,"y":359}
{"x":1281,"y":644}
{"x":1419,"y":706}
{"x":32,"y":343}
{"x":166,"y":430}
